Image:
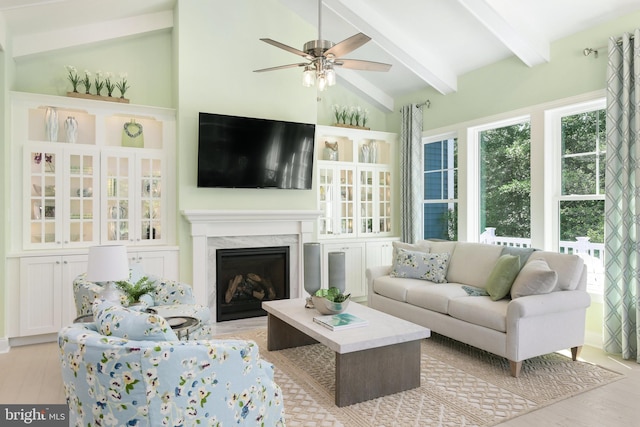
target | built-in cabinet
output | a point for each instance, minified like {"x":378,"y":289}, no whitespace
{"x":87,"y":172}
{"x":355,"y":178}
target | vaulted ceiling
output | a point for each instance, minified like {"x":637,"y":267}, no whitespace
{"x":429,"y":43}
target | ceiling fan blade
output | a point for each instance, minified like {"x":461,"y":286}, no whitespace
{"x":348,"y":45}
{"x":357,"y":64}
{"x":288,"y":48}
{"x":280,"y":67}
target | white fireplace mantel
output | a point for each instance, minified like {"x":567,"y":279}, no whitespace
{"x":244,"y":223}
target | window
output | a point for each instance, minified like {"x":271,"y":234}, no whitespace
{"x":505,"y":182}
{"x":440,"y":208}
{"x":581,"y":201}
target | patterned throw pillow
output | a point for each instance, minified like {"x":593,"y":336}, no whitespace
{"x":420,"y":265}
{"x":118,"y":321}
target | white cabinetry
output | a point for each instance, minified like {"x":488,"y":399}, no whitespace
{"x":113,"y":184}
{"x":160,"y":263}
{"x":46,"y":292}
{"x":355,"y":182}
{"x":379,"y":252}
{"x":356,"y":174}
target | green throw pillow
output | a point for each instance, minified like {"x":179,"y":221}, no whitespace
{"x":502,"y":276}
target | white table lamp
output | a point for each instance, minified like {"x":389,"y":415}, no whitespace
{"x":108,"y":264}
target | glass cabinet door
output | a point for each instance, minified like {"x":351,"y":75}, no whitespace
{"x":42,"y":181}
{"x":366,"y":201}
{"x":336,"y":189}
{"x":117,"y":171}
{"x":347,"y":201}
{"x":384,"y":202}
{"x":374,"y":200}
{"x":82,"y":201}
{"x":150,"y":178}
{"x":327,"y":200}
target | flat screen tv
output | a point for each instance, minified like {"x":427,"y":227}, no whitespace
{"x":244,"y":152}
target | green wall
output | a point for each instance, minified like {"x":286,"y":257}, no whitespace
{"x":147,"y":60}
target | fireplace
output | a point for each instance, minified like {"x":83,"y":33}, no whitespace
{"x":247,"y":276}
{"x":213,"y":230}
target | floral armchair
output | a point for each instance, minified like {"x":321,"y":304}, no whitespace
{"x":110,"y":380}
{"x":170,"y":298}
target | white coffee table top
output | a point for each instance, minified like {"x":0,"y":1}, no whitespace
{"x":383,"y":329}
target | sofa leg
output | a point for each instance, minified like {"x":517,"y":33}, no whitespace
{"x":515,"y":368}
{"x":575,"y":352}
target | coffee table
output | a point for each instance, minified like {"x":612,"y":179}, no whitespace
{"x":371,"y":361}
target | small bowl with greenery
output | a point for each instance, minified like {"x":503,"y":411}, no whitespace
{"x":133,"y":291}
{"x":330,"y":301}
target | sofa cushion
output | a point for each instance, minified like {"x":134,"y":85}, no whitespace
{"x":502,"y":276}
{"x":569,"y":268}
{"x":471,"y":263}
{"x":118,"y":321}
{"x":535,"y":278}
{"x":522,"y":253}
{"x":435,"y":296}
{"x":420,"y":265}
{"x":394,"y":287}
{"x":441,"y":246}
{"x":481,"y":311}
{"x":419,"y":246}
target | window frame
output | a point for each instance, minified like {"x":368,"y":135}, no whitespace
{"x":431,"y":140}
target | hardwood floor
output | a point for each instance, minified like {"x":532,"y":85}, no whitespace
{"x":31,"y":375}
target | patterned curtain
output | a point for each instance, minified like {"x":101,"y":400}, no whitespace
{"x":622,"y":200}
{"x":411,"y":173}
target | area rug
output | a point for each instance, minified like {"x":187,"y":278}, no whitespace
{"x":460,"y":386}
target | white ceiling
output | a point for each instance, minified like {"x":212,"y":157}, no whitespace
{"x":428,"y":42}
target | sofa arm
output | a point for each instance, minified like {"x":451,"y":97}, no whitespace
{"x":554,"y":302}
{"x":221,"y":379}
{"x":377,"y":271}
{"x":373,"y":273}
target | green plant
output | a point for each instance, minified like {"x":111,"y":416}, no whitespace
{"x":86,"y":81}
{"x":73,"y":77}
{"x":98,"y":83}
{"x":134,"y":291}
{"x":122,"y":84}
{"x":333,"y":294}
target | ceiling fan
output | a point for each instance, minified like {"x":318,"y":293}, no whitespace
{"x":324,"y":55}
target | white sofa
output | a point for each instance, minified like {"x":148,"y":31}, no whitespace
{"x":516,"y":329}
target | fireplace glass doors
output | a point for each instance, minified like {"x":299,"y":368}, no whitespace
{"x":247,"y":276}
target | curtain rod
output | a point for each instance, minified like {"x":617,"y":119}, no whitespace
{"x":589,"y":50}
{"x":422,"y":104}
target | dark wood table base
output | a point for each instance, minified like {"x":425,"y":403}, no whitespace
{"x":360,"y":375}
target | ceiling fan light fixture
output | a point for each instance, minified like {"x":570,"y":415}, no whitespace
{"x":330,"y":73}
{"x":324,"y":55}
{"x":322,"y":81}
{"x":308,"y":76}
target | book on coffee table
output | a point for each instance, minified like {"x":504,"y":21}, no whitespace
{"x":336,"y":322}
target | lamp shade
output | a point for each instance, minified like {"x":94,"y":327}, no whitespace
{"x":107,"y":263}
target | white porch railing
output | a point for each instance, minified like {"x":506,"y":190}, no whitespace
{"x":592,"y":253}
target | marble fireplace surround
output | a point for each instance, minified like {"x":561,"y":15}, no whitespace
{"x":227,"y":229}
